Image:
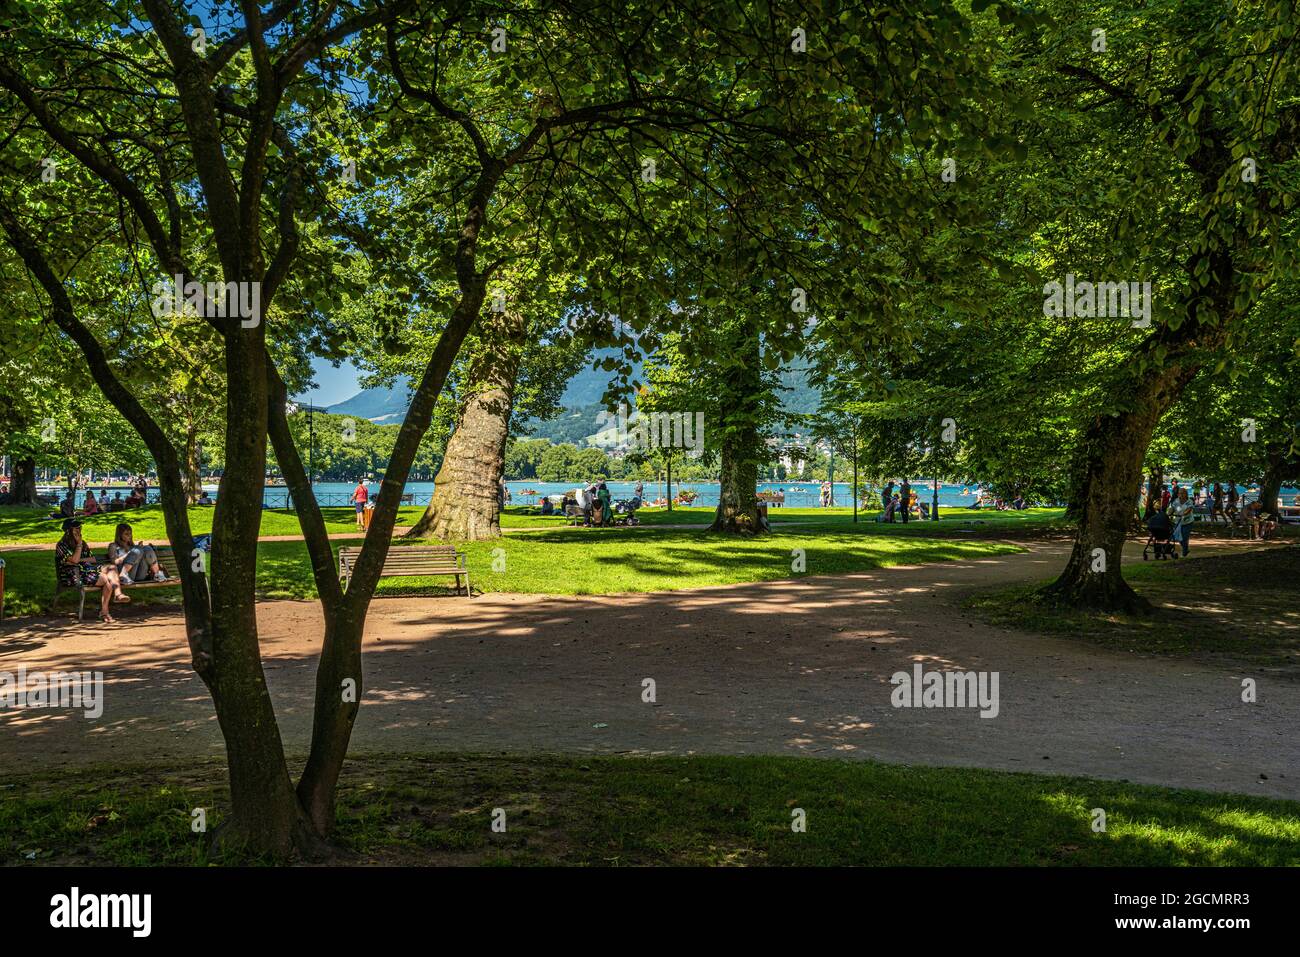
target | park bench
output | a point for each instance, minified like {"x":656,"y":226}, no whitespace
{"x":166,"y":561}
{"x":405,"y":561}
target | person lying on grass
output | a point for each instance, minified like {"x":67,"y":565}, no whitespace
{"x":76,"y":567}
{"x":134,"y":563}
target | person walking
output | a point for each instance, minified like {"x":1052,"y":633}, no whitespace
{"x":905,"y":499}
{"x":360,"y":496}
{"x":1180,"y":514}
{"x":1216,"y":509}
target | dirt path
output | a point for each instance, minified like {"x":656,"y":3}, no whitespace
{"x":794,"y":667}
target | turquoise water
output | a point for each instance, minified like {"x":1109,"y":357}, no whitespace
{"x":797,"y":494}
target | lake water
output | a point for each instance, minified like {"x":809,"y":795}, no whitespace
{"x":797,"y":494}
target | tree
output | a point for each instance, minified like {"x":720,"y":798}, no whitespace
{"x":170,"y":136}
{"x":1241,"y":420}
{"x":1194,"y":107}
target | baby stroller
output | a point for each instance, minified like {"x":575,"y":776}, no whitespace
{"x":1159,"y":526}
{"x":625,"y":511}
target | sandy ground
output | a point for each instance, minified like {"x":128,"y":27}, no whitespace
{"x":788,"y":667}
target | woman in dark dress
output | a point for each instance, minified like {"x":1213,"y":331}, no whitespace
{"x":76,"y":567}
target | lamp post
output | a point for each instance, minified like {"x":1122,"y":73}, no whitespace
{"x":934,"y":502}
{"x":830,"y":450}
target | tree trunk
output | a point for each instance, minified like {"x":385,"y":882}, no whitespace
{"x":266,"y":818}
{"x":1114,"y":447}
{"x":465,"y":503}
{"x":742,"y":448}
{"x":737,"y":498}
{"x":192,"y":483}
{"x":340,"y":659}
{"x":1271,"y":486}
{"x":22,"y":483}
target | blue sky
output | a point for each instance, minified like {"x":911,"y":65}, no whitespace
{"x":332,"y":385}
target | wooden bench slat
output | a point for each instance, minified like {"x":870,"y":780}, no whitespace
{"x":412,"y":561}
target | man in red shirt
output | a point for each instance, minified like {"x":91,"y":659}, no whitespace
{"x":360,"y":495}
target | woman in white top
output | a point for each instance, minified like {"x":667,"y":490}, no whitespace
{"x":1180,"y":514}
{"x":135,"y":563}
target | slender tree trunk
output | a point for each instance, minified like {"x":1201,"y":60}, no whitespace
{"x":265,"y":814}
{"x":193,"y":486}
{"x":340,"y":660}
{"x":465,"y":502}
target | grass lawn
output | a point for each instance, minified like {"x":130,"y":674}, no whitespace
{"x":579,"y":561}
{"x":1241,"y":608}
{"x":29,"y":526}
{"x":529,"y":516}
{"x":588,"y":810}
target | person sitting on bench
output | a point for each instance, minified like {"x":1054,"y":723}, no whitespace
{"x":76,"y":567}
{"x":1259,"y":520}
{"x":134,"y":563}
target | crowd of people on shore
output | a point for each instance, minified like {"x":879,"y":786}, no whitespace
{"x":92,"y":505}
{"x":593,"y":504}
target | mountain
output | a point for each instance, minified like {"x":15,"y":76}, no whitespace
{"x":381,"y":405}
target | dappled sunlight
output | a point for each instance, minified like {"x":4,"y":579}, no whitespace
{"x":792,"y":664}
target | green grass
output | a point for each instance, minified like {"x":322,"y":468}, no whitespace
{"x":28,"y":526}
{"x":436,"y":809}
{"x":578,"y":561}
{"x":951,"y":519}
{"x":1238,"y":608}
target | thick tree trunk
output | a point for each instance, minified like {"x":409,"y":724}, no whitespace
{"x":465,"y":502}
{"x":737,"y":498}
{"x":1271,"y":486}
{"x":741,"y":447}
{"x":1112,"y":470}
{"x":22,"y":482}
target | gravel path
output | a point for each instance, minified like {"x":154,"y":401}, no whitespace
{"x":789,"y":667}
